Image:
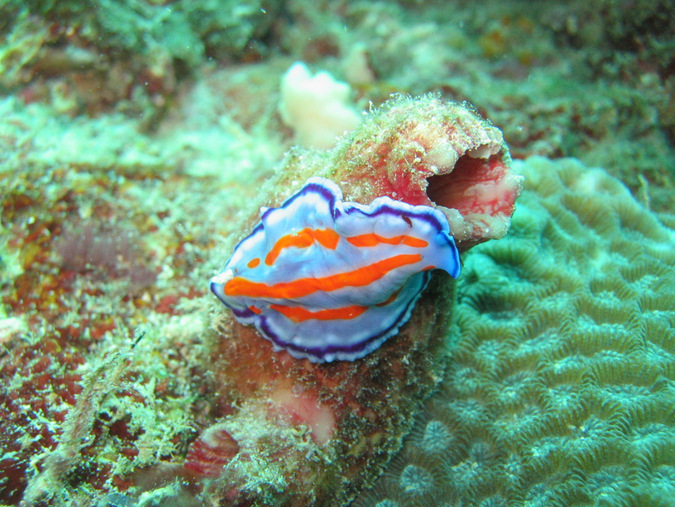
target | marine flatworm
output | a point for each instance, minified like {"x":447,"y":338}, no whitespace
{"x":331,"y":280}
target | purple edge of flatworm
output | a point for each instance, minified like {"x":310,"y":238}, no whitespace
{"x":332,"y":198}
{"x":323,"y":351}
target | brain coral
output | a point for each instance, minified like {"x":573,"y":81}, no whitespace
{"x":562,"y":380}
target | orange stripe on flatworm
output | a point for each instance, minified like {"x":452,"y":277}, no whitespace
{"x":373,"y":239}
{"x":255,"y":309}
{"x":253,"y":263}
{"x":299,"y":314}
{"x":327,"y":238}
{"x":360,"y":277}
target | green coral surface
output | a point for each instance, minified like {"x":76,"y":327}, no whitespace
{"x":562,"y":379}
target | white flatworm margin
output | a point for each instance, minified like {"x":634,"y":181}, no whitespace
{"x":330,"y":280}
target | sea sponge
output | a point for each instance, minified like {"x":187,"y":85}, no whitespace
{"x":316,"y":106}
{"x":561,"y":385}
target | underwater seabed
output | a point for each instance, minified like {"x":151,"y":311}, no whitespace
{"x":138,"y":141}
{"x":561,"y":350}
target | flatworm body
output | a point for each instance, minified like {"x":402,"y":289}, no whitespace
{"x":331,"y":280}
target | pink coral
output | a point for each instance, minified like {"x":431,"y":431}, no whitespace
{"x":421,"y":151}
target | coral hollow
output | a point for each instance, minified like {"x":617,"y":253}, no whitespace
{"x":422,"y":151}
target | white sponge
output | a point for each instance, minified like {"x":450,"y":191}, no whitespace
{"x":316,"y":107}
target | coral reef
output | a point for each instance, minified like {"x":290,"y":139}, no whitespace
{"x":30,"y":422}
{"x":562,"y":376}
{"x":128,"y":56}
{"x":80,"y":277}
{"x":79,"y":274}
{"x":570,"y":80}
{"x":592,"y":81}
{"x":135,"y":139}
